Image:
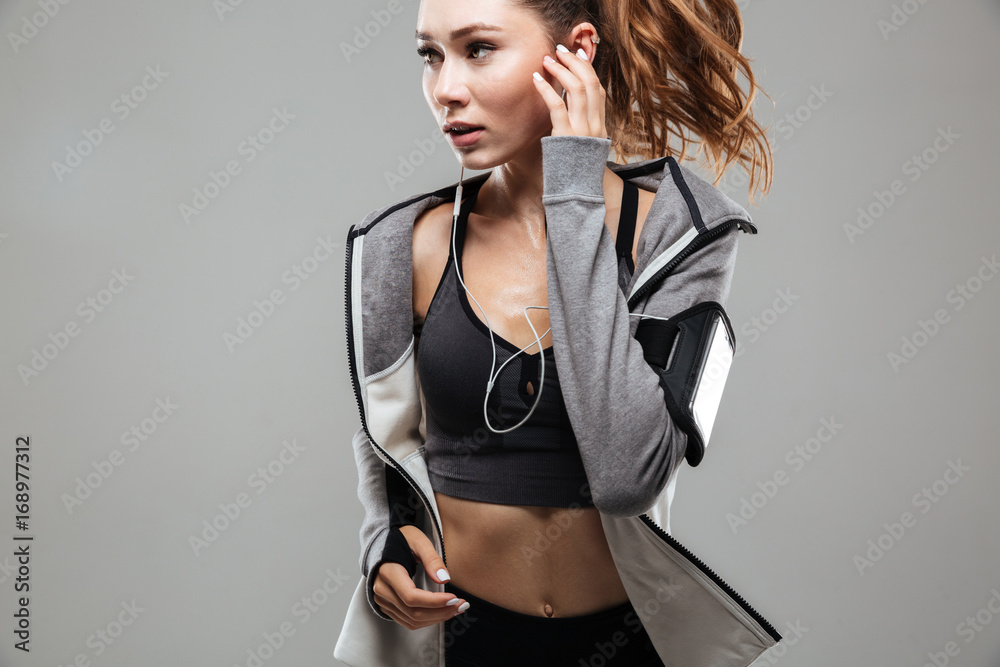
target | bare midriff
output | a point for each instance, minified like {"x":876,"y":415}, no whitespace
{"x":543,"y":561}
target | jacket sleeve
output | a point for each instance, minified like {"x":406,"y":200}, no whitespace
{"x":388,"y":501}
{"x":629,"y":443}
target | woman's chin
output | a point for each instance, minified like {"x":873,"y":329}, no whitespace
{"x":474,"y":162}
{"x":481,"y":158}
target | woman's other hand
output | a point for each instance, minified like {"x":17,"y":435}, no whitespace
{"x":399,"y":597}
{"x":583,"y":112}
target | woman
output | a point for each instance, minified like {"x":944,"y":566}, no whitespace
{"x":531,"y":480}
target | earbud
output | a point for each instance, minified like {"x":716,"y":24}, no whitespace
{"x":538,"y":339}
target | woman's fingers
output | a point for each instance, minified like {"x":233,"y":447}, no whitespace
{"x":394,"y":587}
{"x":425,"y":553}
{"x":395,"y":615}
{"x":577,"y":101}
{"x":407,"y":604}
{"x":582,"y":66}
{"x":583,"y":113}
{"x":557,"y":109}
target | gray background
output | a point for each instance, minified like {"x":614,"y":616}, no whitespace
{"x":359,"y":118}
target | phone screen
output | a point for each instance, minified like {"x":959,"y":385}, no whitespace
{"x":707,"y":394}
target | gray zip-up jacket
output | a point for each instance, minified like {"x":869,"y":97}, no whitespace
{"x":630,"y":446}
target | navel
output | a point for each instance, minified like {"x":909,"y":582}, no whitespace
{"x":548,"y":610}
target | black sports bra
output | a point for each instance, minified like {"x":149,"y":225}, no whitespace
{"x":537,"y":463}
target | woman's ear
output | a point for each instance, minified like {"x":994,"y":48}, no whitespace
{"x":585,"y":37}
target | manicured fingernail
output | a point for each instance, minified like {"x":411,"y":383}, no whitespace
{"x":549,"y":59}
{"x":465,"y":605}
{"x":538,"y":77}
{"x":560,"y":47}
{"x":452,"y":602}
{"x":443,"y":574}
{"x":582,"y":54}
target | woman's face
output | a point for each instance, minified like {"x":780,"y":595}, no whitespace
{"x":482,"y":76}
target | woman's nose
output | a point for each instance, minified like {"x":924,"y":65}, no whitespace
{"x":450,"y":86}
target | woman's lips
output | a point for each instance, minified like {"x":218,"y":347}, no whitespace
{"x":465,"y":138}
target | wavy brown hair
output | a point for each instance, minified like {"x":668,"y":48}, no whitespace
{"x":668,"y":66}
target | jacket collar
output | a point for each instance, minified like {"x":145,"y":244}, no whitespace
{"x":685,"y":206}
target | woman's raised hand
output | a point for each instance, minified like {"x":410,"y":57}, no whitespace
{"x":583,"y":112}
{"x":399,"y":597}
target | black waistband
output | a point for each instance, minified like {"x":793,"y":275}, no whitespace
{"x":578,"y":621}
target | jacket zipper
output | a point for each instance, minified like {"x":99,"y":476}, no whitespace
{"x":698,"y":242}
{"x":357,"y":388}
{"x":684,"y":551}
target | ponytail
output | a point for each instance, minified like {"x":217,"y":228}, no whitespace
{"x":670,"y":68}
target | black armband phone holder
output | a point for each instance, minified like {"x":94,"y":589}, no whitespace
{"x":692,"y":352}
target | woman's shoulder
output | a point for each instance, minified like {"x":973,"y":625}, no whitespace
{"x":431,"y":245}
{"x":431,"y":233}
{"x":404,"y":211}
{"x":433,"y":217}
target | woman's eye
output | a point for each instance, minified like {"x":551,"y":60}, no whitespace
{"x":479,"y":47}
{"x":473,"y":49}
{"x":424,"y":52}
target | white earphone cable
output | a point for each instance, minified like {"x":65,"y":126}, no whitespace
{"x":538,"y":339}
